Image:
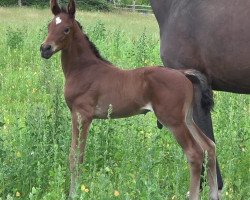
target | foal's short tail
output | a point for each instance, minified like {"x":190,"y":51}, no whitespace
{"x":200,"y":79}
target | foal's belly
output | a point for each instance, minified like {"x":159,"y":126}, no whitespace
{"x":116,"y":110}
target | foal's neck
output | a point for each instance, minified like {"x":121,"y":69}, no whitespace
{"x":79,"y":54}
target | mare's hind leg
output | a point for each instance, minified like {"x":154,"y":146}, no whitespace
{"x":192,"y":150}
{"x":209,"y":146}
{"x":204,"y":122}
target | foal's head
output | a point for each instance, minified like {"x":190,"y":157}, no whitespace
{"x":60,"y":29}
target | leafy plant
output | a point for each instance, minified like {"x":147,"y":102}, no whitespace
{"x":15,"y":38}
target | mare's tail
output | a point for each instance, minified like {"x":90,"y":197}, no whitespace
{"x":200,"y":79}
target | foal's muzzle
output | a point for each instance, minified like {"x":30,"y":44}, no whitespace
{"x":46,"y":51}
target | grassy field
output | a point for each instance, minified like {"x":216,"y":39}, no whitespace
{"x":126,"y":158}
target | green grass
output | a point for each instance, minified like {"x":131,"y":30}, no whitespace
{"x":130,"y":155}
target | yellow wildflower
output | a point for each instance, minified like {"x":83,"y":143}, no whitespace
{"x":116,"y":193}
{"x":83,"y":187}
{"x":86,"y":190}
{"x":18,"y":194}
{"x":18,"y":154}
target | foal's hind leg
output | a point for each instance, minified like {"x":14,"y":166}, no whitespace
{"x":194,"y":155}
{"x":191,"y":149}
{"x":209,"y":146}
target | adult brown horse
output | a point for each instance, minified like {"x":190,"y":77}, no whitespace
{"x":92,"y":84}
{"x":212,"y":37}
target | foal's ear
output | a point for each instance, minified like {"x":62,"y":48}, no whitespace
{"x":72,"y":8}
{"x":55,"y":7}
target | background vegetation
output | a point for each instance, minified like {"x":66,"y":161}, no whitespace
{"x":105,"y":5}
{"x":127,"y":158}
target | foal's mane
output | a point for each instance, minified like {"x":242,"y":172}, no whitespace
{"x":91,"y":44}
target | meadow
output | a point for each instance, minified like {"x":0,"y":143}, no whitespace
{"x":126,"y":158}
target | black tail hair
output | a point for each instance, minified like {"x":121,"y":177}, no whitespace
{"x":199,"y":78}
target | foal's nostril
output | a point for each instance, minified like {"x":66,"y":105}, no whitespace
{"x":47,"y":47}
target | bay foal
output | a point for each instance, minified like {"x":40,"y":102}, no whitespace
{"x":93,"y":84}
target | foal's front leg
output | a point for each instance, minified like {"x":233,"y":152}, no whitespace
{"x":80,"y":127}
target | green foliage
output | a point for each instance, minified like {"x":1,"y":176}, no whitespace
{"x":8,"y":2}
{"x":95,"y":5}
{"x":83,"y":4}
{"x":15,"y":38}
{"x":130,"y":155}
{"x":98,"y":31}
{"x":42,"y":3}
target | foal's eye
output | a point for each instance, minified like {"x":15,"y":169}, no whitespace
{"x":66,"y":30}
